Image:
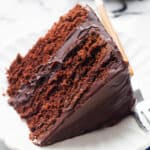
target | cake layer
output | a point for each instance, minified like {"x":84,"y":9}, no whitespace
{"x":83,"y":83}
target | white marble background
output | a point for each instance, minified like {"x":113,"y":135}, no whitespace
{"x":21,"y":18}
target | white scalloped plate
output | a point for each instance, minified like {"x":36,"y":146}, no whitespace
{"x":125,"y":135}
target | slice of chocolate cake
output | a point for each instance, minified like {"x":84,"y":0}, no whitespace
{"x":74,"y":80}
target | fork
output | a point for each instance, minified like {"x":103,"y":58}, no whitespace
{"x":141,"y":110}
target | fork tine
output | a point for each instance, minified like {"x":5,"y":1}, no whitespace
{"x":142,"y":111}
{"x":142,"y":120}
{"x":146,"y":113}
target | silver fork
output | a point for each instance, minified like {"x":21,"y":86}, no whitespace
{"x":142,"y":111}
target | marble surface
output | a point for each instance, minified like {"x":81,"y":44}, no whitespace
{"x":21,"y":18}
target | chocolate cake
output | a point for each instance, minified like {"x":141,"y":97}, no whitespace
{"x":73,"y":81}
